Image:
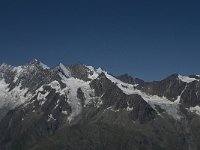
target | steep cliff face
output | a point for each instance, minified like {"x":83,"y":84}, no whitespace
{"x":80,"y":107}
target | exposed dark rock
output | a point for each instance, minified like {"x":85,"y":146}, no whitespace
{"x":109,"y":119}
{"x":171,"y":87}
{"x":142,"y":111}
{"x":128,"y":79}
{"x":81,"y":96}
{"x":80,"y":71}
{"x":191,"y":95}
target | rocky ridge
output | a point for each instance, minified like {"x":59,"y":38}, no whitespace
{"x":37,"y":102}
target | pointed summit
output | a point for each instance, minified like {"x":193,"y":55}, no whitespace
{"x":38,"y":63}
{"x":34,"y":61}
{"x":3,"y":64}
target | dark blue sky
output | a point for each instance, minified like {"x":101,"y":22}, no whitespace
{"x":144,"y":38}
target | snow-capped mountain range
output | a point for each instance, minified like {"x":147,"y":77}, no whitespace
{"x":66,"y":95}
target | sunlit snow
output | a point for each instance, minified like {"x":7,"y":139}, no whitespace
{"x":72,"y":85}
{"x":44,"y":66}
{"x":186,"y":79}
{"x":195,"y":109}
{"x":170,"y":107}
{"x":14,"y":97}
{"x":66,"y":71}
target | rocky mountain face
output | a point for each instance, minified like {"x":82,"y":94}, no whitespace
{"x":78,"y":107}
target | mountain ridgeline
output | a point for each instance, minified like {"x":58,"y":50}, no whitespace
{"x":79,"y":107}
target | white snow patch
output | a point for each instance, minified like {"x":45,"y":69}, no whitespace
{"x":170,"y":107}
{"x":57,"y":103}
{"x":42,"y":94}
{"x":90,"y":68}
{"x":177,"y":101}
{"x":72,"y":85}
{"x":111,"y":109}
{"x":19,"y":94}
{"x":42,"y":98}
{"x":99,"y":70}
{"x":50,"y":117}
{"x":3,"y":92}
{"x":18,"y":71}
{"x":44,"y":66}
{"x":186,"y":79}
{"x":127,"y":88}
{"x":12,"y":98}
{"x":66,"y":71}
{"x":95,"y":72}
{"x":64,"y":112}
{"x":93,"y":76}
{"x":195,"y":109}
{"x":129,"y":108}
{"x":3,"y":65}
{"x":55,"y":85}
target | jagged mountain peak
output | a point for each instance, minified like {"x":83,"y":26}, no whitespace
{"x":36,"y":101}
{"x":173,"y":76}
{"x":3,"y":65}
{"x":34,"y":60}
{"x":37,"y":63}
{"x":35,"y":74}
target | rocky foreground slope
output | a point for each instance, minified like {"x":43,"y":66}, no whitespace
{"x":78,"y":107}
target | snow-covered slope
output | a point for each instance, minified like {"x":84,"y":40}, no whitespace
{"x":9,"y":99}
{"x":77,"y":101}
{"x":15,"y":89}
{"x":187,"y":79}
{"x":172,"y":108}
